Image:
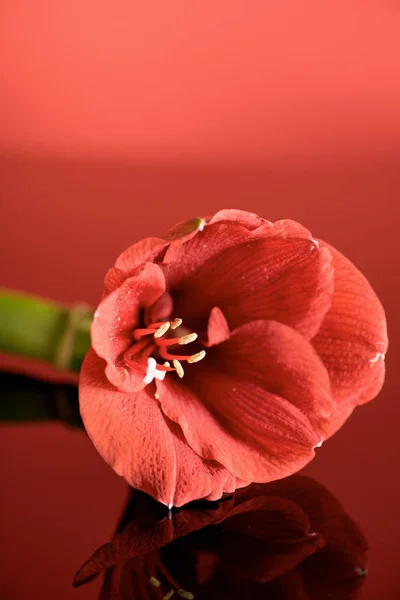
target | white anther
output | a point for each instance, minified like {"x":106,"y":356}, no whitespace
{"x":176,"y":323}
{"x":162,"y":329}
{"x":185,"y":594}
{"x":154,"y":581}
{"x":196,"y":357}
{"x":178,"y":368}
{"x":188,"y":339}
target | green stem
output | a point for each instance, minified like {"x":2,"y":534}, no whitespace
{"x":41,"y":329}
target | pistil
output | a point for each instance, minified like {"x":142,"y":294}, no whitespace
{"x":165,"y":367}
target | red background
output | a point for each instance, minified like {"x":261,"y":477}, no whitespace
{"x":120,"y":119}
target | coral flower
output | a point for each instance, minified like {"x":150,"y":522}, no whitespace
{"x":286,"y":539}
{"x":224,"y":353}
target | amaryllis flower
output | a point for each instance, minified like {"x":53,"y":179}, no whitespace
{"x":287,"y":540}
{"x":224,"y":353}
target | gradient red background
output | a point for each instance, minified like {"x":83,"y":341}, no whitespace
{"x":120,"y":119}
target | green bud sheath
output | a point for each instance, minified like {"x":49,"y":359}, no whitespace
{"x":44,"y":330}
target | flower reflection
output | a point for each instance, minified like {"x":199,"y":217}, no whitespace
{"x":289,"y":539}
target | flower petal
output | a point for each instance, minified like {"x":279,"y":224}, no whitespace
{"x":261,"y":562}
{"x":116,"y":317}
{"x":197,"y":478}
{"x":183,"y":260}
{"x":257,"y":404}
{"x":337,"y":571}
{"x":289,"y":228}
{"x":284,"y":279}
{"x":246,"y":219}
{"x":133,"y":257}
{"x":128,"y":431}
{"x":220,"y":234}
{"x":141,"y":252}
{"x":112,"y":280}
{"x":148,"y":250}
{"x":133,"y":436}
{"x":352,"y":340}
{"x":218,"y":330}
{"x":147,"y":532}
{"x":161,"y":310}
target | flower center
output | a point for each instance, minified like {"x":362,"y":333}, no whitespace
{"x":160,"y":345}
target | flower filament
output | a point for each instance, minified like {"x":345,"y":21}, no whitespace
{"x":161,"y":344}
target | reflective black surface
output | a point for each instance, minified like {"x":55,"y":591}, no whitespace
{"x":25,"y":400}
{"x":289,"y":539}
{"x":286,"y":540}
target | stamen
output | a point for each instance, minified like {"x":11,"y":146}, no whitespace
{"x":139,"y":333}
{"x":167,"y":342}
{"x":169,"y":595}
{"x":179,"y":368}
{"x":187,"y":339}
{"x":162,"y":329}
{"x":196,"y":357}
{"x":165,"y":367}
{"x":154,"y":581}
{"x":148,"y":346}
{"x":190,"y":358}
{"x":176,"y":323}
{"x":167,"y":356}
{"x":137,"y":348}
{"x":154,"y":326}
{"x":185,"y":594}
